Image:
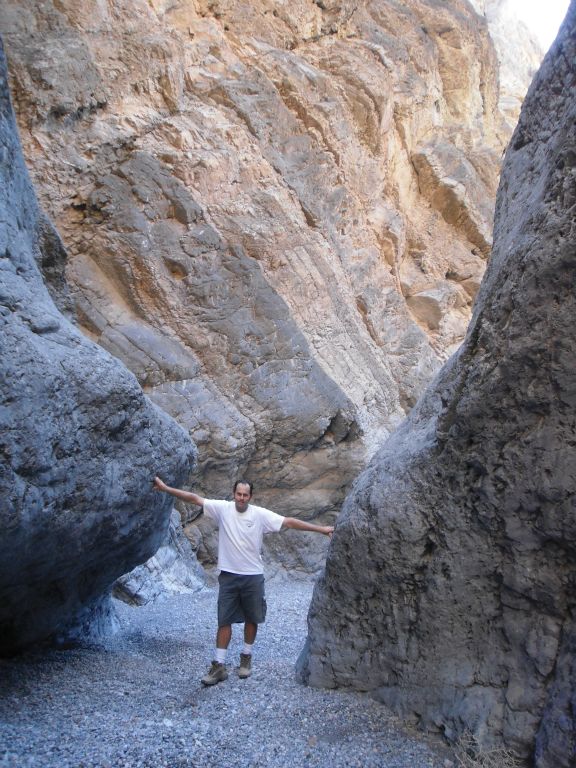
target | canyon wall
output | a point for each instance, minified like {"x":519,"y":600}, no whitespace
{"x":79,"y":442}
{"x":449,"y":590}
{"x":277,"y":214}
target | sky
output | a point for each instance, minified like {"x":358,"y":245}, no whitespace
{"x":542,"y":17}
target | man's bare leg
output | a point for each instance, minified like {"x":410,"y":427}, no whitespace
{"x":224,"y":635}
{"x":250,"y":632}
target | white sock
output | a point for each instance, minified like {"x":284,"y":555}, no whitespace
{"x":220,"y":655}
{"x":248,"y":649}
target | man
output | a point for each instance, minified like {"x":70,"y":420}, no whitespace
{"x":241,"y":580}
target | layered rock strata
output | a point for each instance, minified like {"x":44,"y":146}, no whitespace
{"x":449,"y":587}
{"x":278,"y":213}
{"x":79,"y":441}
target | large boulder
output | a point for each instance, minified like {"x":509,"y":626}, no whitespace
{"x":449,"y":586}
{"x":79,"y":441}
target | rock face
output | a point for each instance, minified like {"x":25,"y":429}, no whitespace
{"x":278,"y":213}
{"x":519,"y":53}
{"x":449,"y":587}
{"x":79,"y":442}
{"x":173,"y":569}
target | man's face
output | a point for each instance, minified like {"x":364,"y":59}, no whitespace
{"x":242,"y":497}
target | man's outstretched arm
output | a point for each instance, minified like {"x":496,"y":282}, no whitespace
{"x":301,"y":525}
{"x":180,"y":494}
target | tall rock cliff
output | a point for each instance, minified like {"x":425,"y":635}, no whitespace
{"x":278,"y":214}
{"x":449,"y":589}
{"x":79,"y":442}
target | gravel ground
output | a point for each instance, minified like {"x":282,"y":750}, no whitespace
{"x":136,"y":700}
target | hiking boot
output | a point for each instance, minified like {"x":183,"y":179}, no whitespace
{"x":245,"y":669}
{"x":216,"y":674}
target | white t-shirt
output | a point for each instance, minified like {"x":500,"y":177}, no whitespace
{"x":240,"y":535}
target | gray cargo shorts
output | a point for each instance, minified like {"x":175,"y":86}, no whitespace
{"x":240,"y":599}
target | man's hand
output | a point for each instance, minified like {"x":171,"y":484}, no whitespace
{"x":159,"y":485}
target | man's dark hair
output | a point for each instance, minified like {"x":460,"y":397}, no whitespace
{"x":243,"y":482}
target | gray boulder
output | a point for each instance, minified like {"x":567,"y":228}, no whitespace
{"x":449,"y":586}
{"x":79,"y":442}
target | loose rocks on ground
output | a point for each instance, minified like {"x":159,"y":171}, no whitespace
{"x":137,"y":701}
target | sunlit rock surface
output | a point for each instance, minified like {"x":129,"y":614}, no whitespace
{"x":79,"y":442}
{"x":519,"y":53}
{"x":450,"y":582}
{"x":278,"y":214}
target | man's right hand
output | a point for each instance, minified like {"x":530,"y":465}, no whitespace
{"x":159,"y":485}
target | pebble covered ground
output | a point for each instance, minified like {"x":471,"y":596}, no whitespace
{"x":136,"y":700}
